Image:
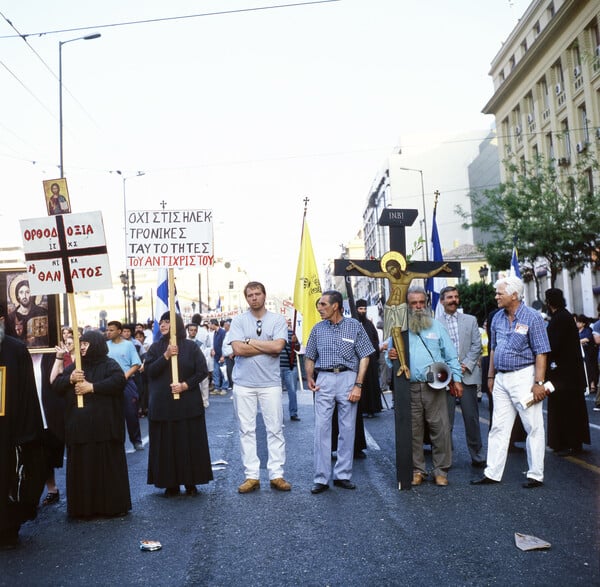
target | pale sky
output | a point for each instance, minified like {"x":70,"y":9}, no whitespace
{"x":243,"y":113}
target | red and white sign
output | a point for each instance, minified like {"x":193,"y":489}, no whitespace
{"x":169,"y":238}
{"x":66,"y":253}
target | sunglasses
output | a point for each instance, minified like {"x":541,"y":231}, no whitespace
{"x":258,"y":327}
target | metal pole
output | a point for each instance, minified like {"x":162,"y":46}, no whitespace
{"x":60,"y":127}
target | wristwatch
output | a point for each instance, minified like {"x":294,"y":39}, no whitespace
{"x":540,"y":383}
{"x":247,"y":340}
{"x":357,"y":384}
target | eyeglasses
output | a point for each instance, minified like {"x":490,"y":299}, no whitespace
{"x":258,"y":327}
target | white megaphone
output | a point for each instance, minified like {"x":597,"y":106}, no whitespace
{"x":438,"y":376}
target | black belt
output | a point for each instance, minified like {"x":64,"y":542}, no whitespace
{"x":513,"y":370}
{"x":339,"y":369}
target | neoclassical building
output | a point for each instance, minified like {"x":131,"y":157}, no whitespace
{"x":546,"y":102}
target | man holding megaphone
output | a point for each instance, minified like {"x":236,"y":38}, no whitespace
{"x":433,"y":365}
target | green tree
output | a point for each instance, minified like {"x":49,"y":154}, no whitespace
{"x":548,"y":213}
{"x":477,"y":299}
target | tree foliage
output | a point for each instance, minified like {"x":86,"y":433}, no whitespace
{"x":477,"y":299}
{"x":551,"y":215}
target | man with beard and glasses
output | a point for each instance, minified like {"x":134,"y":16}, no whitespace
{"x":429,"y":343}
{"x":22,"y":467}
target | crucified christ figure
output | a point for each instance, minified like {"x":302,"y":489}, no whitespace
{"x":395,"y":312}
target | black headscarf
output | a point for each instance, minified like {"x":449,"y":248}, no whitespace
{"x":181,"y":332}
{"x":98,"y":348}
{"x":555,"y":298}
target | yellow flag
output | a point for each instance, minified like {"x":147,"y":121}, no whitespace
{"x":307,"y":289}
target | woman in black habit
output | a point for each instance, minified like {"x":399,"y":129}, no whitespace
{"x":568,"y":426}
{"x":179,"y":453}
{"x":97,"y":477}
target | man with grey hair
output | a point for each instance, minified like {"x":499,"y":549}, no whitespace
{"x":518,"y":348}
{"x":429,"y":343}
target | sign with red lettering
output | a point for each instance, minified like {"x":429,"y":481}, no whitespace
{"x":169,"y":238}
{"x":66,"y":253}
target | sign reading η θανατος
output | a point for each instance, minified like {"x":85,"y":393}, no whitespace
{"x":66,"y":253}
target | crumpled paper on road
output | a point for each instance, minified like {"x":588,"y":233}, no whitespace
{"x":526,"y":542}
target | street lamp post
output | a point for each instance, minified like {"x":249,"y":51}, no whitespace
{"x":60,"y":127}
{"x":483,"y":273}
{"x":420,"y":171}
{"x":132,"y":286}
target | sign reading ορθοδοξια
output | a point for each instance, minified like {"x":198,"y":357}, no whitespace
{"x":66,"y":253}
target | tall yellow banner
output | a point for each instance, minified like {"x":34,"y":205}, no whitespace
{"x":307,"y":289}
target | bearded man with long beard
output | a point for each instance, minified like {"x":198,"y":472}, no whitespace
{"x":429,"y":343}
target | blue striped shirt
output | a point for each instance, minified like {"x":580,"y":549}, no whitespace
{"x":516,"y":345}
{"x":335,"y":345}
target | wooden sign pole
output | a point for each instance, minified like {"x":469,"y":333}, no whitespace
{"x":173,"y":324}
{"x":71,"y":298}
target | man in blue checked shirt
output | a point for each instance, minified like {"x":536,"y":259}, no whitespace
{"x":336,"y":361}
{"x":519,"y":346}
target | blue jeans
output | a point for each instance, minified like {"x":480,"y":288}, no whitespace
{"x":290,"y":380}
{"x":219,"y":381}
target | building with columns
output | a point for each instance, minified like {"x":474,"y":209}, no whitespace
{"x":546,"y":102}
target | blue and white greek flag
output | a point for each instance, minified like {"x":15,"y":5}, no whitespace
{"x":162,"y":300}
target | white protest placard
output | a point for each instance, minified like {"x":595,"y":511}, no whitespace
{"x":66,"y":253}
{"x":169,"y":238}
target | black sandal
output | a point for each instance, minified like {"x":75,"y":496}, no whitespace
{"x":51,"y":497}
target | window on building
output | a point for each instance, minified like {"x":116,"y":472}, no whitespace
{"x":550,"y":11}
{"x":576,"y":54}
{"x":537,"y":29}
{"x":583,"y":119}
{"x":566,"y":139}
{"x":523,"y":47}
{"x":512,"y":62}
{"x":545,"y":93}
{"x":549,"y":146}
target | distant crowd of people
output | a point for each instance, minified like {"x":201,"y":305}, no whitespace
{"x":90,"y":397}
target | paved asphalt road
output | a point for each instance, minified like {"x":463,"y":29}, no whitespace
{"x":374,"y":536}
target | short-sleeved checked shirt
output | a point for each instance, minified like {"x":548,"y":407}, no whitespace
{"x":336,"y":345}
{"x":516,"y":345}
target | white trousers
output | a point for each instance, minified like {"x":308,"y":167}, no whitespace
{"x":245,"y":402}
{"x":509,"y":390}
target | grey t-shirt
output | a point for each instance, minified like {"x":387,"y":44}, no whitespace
{"x":261,"y":370}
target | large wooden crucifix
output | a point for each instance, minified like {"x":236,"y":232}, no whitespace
{"x":393,"y":267}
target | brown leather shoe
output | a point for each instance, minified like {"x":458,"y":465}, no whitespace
{"x":441,"y":481}
{"x":249,"y":485}
{"x":418,"y":478}
{"x":280,"y":484}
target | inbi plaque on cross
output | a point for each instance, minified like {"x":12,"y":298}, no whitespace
{"x":394,"y":267}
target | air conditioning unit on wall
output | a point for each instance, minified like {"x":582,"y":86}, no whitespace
{"x":581,"y":147}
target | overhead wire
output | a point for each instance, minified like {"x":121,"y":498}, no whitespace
{"x":169,"y":18}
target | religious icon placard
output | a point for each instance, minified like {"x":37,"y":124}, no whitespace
{"x":32,"y":318}
{"x":2,"y":391}
{"x":57,"y":196}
